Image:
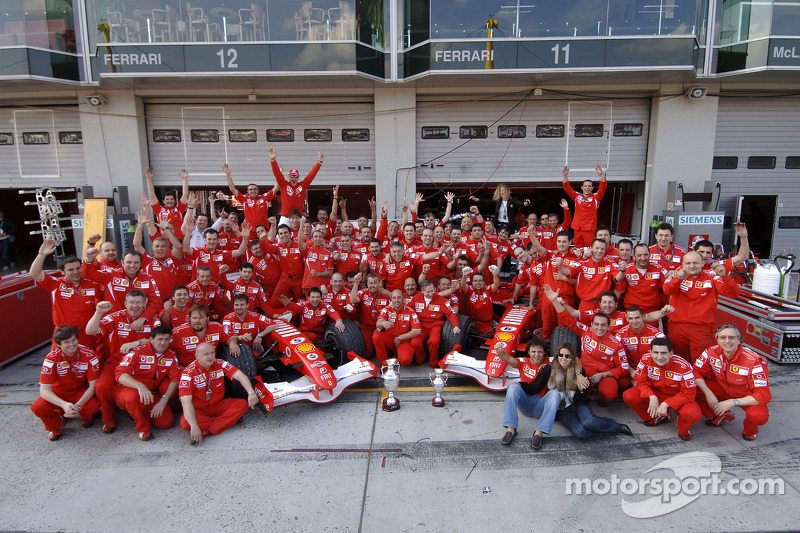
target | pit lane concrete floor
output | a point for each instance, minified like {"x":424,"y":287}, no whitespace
{"x":349,"y":466}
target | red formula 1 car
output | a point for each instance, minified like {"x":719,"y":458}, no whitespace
{"x":318,"y":376}
{"x":513,"y":330}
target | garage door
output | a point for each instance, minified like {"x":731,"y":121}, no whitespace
{"x":531,"y":142}
{"x":757,"y":152}
{"x":201,"y":138}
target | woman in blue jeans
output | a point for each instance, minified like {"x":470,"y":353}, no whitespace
{"x":527,"y":396}
{"x":568,"y":384}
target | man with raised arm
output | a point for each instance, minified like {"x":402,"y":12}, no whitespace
{"x":74,"y":298}
{"x":587,"y":204}
{"x":256,"y":206}
{"x":119,"y":338}
{"x":293,"y":192}
{"x":172,"y":210}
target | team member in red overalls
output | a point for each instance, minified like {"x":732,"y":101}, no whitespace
{"x":74,"y":298}
{"x":372,"y":299}
{"x":728,"y":375}
{"x":586,"y":205}
{"x":694,"y":296}
{"x":431,"y":309}
{"x":172,"y":210}
{"x":206,"y":411}
{"x":397,"y":328}
{"x":250,"y":327}
{"x":595,"y":276}
{"x":293,"y":192}
{"x":290,"y":254}
{"x":636,"y":336}
{"x":199,"y":329}
{"x":120,"y":334}
{"x":602,"y":355}
{"x":256,"y":206}
{"x":315,"y":315}
{"x":664,"y":382}
{"x":147,"y":378}
{"x":478,"y":297}
{"x":67,"y":383}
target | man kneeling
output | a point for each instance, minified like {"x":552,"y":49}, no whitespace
{"x":664,"y":382}
{"x":206,"y":411}
{"x":147,"y":378}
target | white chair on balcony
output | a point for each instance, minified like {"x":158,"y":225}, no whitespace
{"x":313,"y":22}
{"x":163,"y":28}
{"x":252,"y":23}
{"x":343,"y":22}
{"x":198,"y":23}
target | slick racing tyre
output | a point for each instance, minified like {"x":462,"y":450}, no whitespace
{"x":450,"y":339}
{"x":338,"y":343}
{"x":561,"y":335}
{"x":246,"y":363}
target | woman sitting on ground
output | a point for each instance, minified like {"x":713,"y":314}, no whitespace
{"x":569,"y":381}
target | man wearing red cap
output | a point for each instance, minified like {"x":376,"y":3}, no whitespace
{"x":294,"y":191}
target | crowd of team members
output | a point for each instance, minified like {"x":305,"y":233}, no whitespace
{"x":132,"y":334}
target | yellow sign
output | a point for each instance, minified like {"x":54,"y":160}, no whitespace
{"x":94,"y":220}
{"x":504,"y":336}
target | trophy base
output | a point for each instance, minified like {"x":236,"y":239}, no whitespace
{"x":438,"y":402}
{"x":391,"y":404}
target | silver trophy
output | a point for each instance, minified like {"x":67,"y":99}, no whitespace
{"x":439,"y":381}
{"x":390,"y":373}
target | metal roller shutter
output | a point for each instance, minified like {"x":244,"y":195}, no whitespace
{"x":45,"y":158}
{"x":760,"y":127}
{"x":531,"y":159}
{"x":203,"y":153}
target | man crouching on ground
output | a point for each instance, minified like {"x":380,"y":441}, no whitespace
{"x":206,"y":411}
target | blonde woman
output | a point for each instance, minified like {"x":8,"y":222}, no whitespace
{"x":505,"y":207}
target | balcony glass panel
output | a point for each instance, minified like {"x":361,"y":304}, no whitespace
{"x":786,"y":17}
{"x":47,"y":24}
{"x":199,"y":21}
{"x":467,"y":19}
{"x":744,"y":20}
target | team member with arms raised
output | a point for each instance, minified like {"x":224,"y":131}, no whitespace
{"x":602,"y":355}
{"x":586,"y":206}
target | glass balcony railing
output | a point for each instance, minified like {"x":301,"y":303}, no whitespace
{"x":37,"y":38}
{"x":38,"y":24}
{"x":467,"y":19}
{"x":215,"y":21}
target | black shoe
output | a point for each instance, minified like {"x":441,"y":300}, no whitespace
{"x":745,"y":436}
{"x":536,"y":441}
{"x":688,"y":436}
{"x":87,"y":424}
{"x":625,"y":430}
{"x":509,"y":437}
{"x":108,"y":429}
